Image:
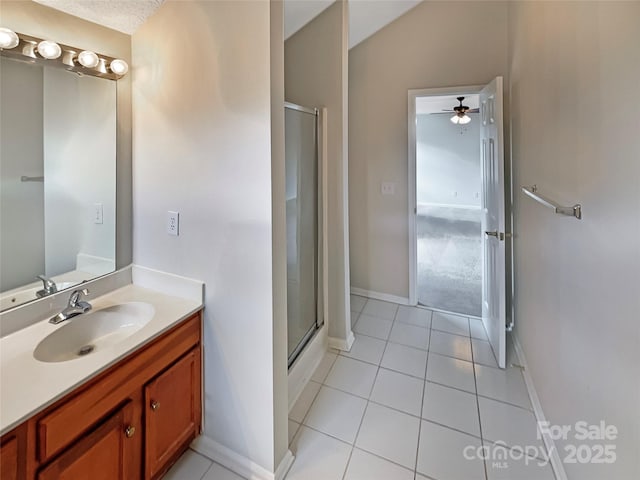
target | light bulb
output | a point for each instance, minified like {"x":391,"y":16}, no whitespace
{"x":455,"y":119}
{"x":465,"y":119}
{"x":49,"y":50}
{"x":8,"y":38}
{"x":88,"y":59}
{"x":119,"y":67}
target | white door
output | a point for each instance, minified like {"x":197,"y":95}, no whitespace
{"x":494,"y":306}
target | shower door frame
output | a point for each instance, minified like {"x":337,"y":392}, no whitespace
{"x":321,"y":241}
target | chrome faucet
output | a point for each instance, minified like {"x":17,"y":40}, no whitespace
{"x":49,"y":287}
{"x":74,"y":308}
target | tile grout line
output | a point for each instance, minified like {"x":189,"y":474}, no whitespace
{"x":306,"y":414}
{"x":211,"y":462}
{"x":475,"y":382}
{"x":366,"y":407}
{"x":424,"y":391}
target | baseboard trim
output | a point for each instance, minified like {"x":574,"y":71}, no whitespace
{"x":303,"y":368}
{"x":379,"y":296}
{"x":237,"y":463}
{"x":556,"y":462}
{"x":341,"y":343}
{"x":439,"y":310}
{"x":284,"y":466}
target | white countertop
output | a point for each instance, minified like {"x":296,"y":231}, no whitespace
{"x":27,"y":385}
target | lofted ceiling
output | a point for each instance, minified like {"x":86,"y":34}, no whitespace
{"x":366,"y":17}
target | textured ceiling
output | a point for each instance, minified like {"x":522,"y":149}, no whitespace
{"x":366,"y":17}
{"x":122,"y":15}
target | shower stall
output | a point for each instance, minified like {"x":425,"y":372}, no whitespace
{"x":303,"y":229}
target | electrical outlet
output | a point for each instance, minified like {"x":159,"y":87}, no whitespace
{"x":97,"y":214}
{"x":388,"y":188}
{"x":173,"y":223}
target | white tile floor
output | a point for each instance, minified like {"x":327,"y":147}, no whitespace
{"x":416,"y":390}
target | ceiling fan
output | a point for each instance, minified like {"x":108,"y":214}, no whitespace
{"x":461,"y":111}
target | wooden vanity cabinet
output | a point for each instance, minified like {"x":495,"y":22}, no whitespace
{"x":132,"y":421}
{"x":172,"y":412}
{"x":13,"y":454}
{"x":106,"y":452}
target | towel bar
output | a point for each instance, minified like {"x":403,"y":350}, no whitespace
{"x":575,"y":211}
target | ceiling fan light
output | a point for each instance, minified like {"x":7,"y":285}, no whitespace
{"x":8,"y":38}
{"x":455,"y":119}
{"x":464,"y":119}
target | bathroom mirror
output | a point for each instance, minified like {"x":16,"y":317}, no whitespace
{"x":58,"y":179}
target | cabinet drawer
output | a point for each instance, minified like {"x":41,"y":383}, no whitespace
{"x":104,"y":453}
{"x":75,"y":415}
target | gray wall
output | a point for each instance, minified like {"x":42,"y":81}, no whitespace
{"x":577,"y":299}
{"x":316,"y":76}
{"x":448,"y":161}
{"x":416,"y":51}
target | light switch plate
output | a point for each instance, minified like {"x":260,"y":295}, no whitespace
{"x":98,"y":218}
{"x":173,"y":223}
{"x":388,"y":188}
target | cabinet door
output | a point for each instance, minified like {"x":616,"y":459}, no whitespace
{"x":172,"y":413}
{"x":9,"y":459}
{"x":105,"y":453}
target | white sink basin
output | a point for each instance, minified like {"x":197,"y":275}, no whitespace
{"x":93,"y":331}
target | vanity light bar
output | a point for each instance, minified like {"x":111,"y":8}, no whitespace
{"x":36,"y":50}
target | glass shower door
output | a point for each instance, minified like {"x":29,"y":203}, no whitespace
{"x":301,"y":167}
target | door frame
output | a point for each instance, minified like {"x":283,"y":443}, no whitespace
{"x":411,"y":150}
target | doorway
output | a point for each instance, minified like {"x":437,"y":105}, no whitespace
{"x":448,"y":216}
{"x":457,"y":202}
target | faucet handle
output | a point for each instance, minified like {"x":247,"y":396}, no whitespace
{"x":49,"y":285}
{"x":75,"y":296}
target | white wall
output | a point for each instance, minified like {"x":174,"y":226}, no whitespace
{"x":316,"y":76}
{"x":416,"y":51}
{"x":79,"y":168}
{"x":577,"y":299}
{"x":21,"y":203}
{"x":202,"y":146}
{"x":279,"y":239}
{"x":447,"y":161}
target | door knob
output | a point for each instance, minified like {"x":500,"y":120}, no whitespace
{"x":130,"y":431}
{"x":155,"y":405}
{"x":492,"y":234}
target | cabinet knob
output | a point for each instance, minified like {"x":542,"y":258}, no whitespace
{"x":155,"y":405}
{"x":130,"y":431}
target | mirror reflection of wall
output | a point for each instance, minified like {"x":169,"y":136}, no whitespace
{"x":57,"y":129}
